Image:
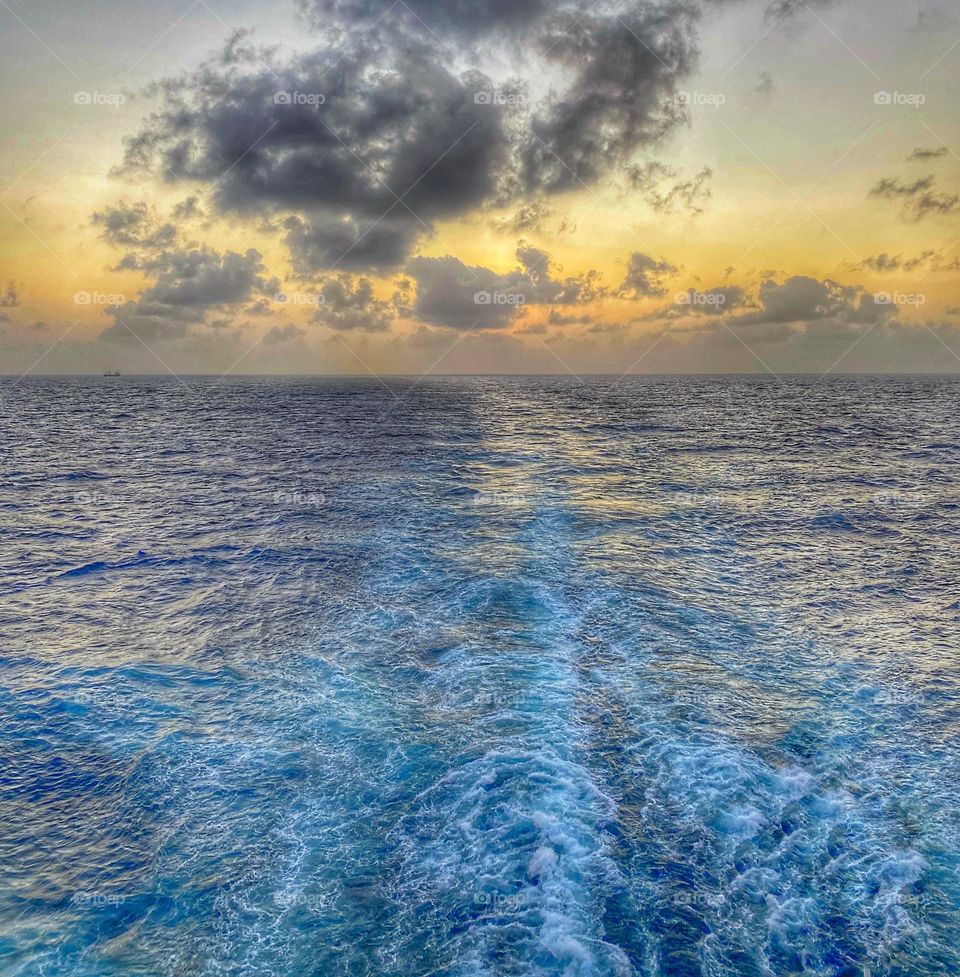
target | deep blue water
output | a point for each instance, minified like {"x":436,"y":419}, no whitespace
{"x":489,"y":676}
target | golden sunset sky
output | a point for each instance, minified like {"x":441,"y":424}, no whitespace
{"x":344,"y":186}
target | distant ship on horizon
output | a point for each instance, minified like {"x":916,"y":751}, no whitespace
{"x":111,"y":373}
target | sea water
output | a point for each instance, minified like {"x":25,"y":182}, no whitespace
{"x":480,"y":676}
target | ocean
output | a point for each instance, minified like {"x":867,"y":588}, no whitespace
{"x":479,"y":676}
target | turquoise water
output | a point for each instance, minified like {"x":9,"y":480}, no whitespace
{"x":480,"y":676}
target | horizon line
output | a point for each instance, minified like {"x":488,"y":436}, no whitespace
{"x":421,"y":376}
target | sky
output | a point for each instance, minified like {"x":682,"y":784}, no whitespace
{"x":479,"y":186}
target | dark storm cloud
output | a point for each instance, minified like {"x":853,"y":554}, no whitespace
{"x":646,"y":176}
{"x":544,"y":289}
{"x":452,"y":294}
{"x":188,"y":285}
{"x":783,"y":9}
{"x":368,"y":154}
{"x":765,"y":87}
{"x":720,"y":300}
{"x":665,"y":197}
{"x":134,"y":225}
{"x":133,"y":321}
{"x":624,"y":67}
{"x":348,"y":304}
{"x":347,"y":244}
{"x":692,"y":302}
{"x":919,"y":199}
{"x":390,"y":126}
{"x":864,"y":308}
{"x":447,"y":291}
{"x":188,"y":209}
{"x":687,"y":195}
{"x":804,"y":299}
{"x":799,"y":297}
{"x":201,"y":278}
{"x":278,"y":335}
{"x":556,"y":318}
{"x":646,"y":276}
{"x":464,"y":18}
{"x":528,"y":217}
{"x":884,"y":262}
{"x":925,"y":154}
{"x":607,"y":328}
{"x":474,"y":20}
{"x":140,"y":228}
